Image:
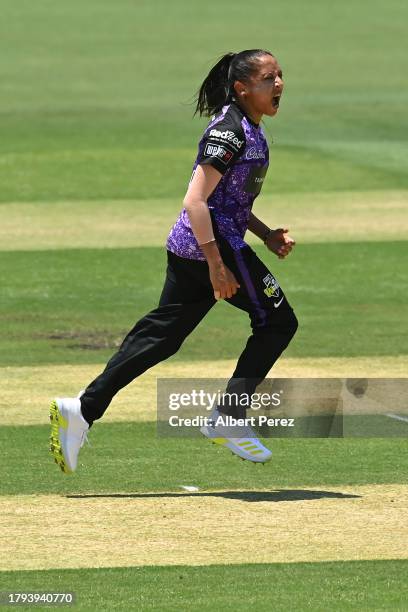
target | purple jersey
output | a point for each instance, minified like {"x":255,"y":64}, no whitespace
{"x":236,"y":147}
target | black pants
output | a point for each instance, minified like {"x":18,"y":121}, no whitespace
{"x":186,"y":298}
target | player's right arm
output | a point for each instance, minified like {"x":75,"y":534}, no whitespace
{"x":205,"y":179}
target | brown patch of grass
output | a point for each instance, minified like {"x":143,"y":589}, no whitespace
{"x":101,"y":339}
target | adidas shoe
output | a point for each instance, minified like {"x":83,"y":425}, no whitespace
{"x":68,"y":432}
{"x":241,"y":440}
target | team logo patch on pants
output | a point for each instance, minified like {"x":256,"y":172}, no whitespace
{"x":272,"y":286}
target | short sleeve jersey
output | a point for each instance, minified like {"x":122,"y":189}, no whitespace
{"x":236,"y":146}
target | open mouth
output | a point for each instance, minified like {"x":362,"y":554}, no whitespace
{"x":275,"y":101}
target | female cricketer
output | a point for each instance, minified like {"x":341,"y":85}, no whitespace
{"x":208,"y":260}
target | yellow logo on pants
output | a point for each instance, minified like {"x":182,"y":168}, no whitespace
{"x":269,"y":291}
{"x":272,"y":286}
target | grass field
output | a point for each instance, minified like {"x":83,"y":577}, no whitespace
{"x":96,"y":149}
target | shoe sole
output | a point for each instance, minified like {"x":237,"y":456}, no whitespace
{"x":226,"y":444}
{"x":57,"y":421}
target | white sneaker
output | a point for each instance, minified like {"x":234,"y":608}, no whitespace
{"x":241,"y":440}
{"x":68,"y":432}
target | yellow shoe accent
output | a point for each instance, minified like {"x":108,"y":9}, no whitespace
{"x":219,"y":440}
{"x":245,"y":443}
{"x":256,"y":452}
{"x":57,"y":420}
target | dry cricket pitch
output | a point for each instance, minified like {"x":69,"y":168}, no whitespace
{"x":333,"y":523}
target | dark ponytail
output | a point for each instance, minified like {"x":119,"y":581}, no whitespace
{"x":217,"y":88}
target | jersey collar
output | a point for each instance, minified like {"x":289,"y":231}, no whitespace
{"x":235,"y":103}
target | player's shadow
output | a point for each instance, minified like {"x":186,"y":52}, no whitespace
{"x":278,"y":495}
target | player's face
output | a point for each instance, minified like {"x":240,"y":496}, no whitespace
{"x":264,"y":89}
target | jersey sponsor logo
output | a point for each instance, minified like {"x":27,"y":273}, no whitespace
{"x":272,"y":286}
{"x":215,"y":150}
{"x":254,"y":153}
{"x":255,"y":179}
{"x":228,"y":136}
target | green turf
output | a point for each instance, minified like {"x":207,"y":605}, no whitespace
{"x":129,"y":457}
{"x":93,"y":107}
{"x":366,"y":586}
{"x":156,"y":172}
{"x":70,"y":306}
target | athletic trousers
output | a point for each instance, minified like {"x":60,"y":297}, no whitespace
{"x":186,"y":298}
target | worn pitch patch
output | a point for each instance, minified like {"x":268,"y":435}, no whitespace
{"x":312,"y":217}
{"x":311,"y":524}
{"x":27,"y":391}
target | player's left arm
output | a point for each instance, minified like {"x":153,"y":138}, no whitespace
{"x":276,"y":240}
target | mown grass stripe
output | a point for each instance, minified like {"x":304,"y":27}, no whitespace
{"x":346,"y":585}
{"x":312,"y":217}
{"x":27,"y":391}
{"x":76,"y":306}
{"x":131,"y":457}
